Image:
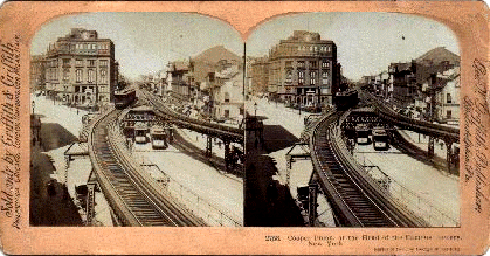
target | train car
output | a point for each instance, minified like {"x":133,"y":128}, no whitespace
{"x":140,"y":131}
{"x":125,"y":98}
{"x":362,"y":134}
{"x":346,"y":99}
{"x":380,"y":140}
{"x":158,"y":137}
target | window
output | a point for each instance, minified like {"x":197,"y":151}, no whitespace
{"x":289,"y":74}
{"x":227,"y":113}
{"x":91,"y":76}
{"x":448,"y":97}
{"x":66,"y":75}
{"x":94,"y":47}
{"x":103,"y":63}
{"x":79,"y":75}
{"x":301,"y":76}
{"x":77,"y":88}
{"x":227,"y":97}
{"x":91,"y":63}
{"x":103,"y":75}
{"x":288,"y":64}
{"x":449,"y":114}
{"x":85,"y":46}
{"x":325,"y":77}
{"x":79,"y":62}
{"x":325,"y":64}
{"x":301,"y":64}
{"x":312,"y":77}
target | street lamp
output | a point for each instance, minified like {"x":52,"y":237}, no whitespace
{"x":255,"y":108}
{"x":33,"y":105}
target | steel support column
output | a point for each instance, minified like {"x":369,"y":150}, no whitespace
{"x":430,"y":150}
{"x":313,"y":189}
{"x":209,"y":146}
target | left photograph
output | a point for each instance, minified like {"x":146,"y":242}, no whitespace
{"x":136,"y":120}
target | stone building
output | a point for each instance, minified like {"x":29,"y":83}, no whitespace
{"x":81,"y":69}
{"x":304,"y":69}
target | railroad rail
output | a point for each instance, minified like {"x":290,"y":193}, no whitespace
{"x":133,"y":199}
{"x":356,"y":200}
{"x":216,"y":130}
{"x":437,"y":130}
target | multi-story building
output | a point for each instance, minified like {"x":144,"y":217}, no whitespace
{"x":304,"y":69}
{"x":228,"y":94}
{"x":447,"y":89}
{"x":259,"y":75}
{"x":81,"y":68}
{"x":403,"y":78}
{"x":178,"y":88}
{"x":37,"y":73}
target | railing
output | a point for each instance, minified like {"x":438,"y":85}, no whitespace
{"x":195,"y":203}
{"x":397,"y":118}
{"x":384,"y":182}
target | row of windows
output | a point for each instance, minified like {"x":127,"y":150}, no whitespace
{"x":313,"y":64}
{"x":301,"y":75}
{"x":91,"y":46}
{"x":78,"y":62}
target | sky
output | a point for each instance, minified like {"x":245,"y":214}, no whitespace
{"x":146,"y":42}
{"x":366,"y":42}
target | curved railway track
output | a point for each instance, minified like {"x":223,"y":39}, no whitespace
{"x":133,"y":201}
{"x":222,"y":131}
{"x":355,"y":201}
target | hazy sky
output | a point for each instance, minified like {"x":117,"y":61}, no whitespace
{"x":366,"y":42}
{"x":145,"y":42}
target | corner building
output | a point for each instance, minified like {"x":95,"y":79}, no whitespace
{"x":81,"y":69}
{"x":304,"y":69}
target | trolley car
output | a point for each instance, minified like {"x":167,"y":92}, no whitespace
{"x":125,"y":98}
{"x":380,"y":139}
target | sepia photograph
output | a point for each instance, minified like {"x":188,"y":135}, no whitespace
{"x":136,"y":120}
{"x":244,"y":127}
{"x":355,"y":120}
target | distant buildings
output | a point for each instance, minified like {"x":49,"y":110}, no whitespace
{"x":301,"y":69}
{"x":81,"y":69}
{"x":428,"y":87}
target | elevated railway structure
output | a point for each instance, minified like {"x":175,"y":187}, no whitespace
{"x":448,"y":134}
{"x":444,"y":132}
{"x":227,"y":133}
{"x":356,"y":199}
{"x":135,"y":200}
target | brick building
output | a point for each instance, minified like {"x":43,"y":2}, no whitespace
{"x":81,"y":69}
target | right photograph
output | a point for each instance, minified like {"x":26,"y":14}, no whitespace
{"x":352,"y":120}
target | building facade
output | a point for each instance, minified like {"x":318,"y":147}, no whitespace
{"x":447,"y":96}
{"x":37,"y":73}
{"x":304,"y":69}
{"x":259,"y":75}
{"x":81,"y":69}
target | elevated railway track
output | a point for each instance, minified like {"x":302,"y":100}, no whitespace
{"x":132,"y":197}
{"x":444,"y":132}
{"x":357,"y":201}
{"x":215,"y":130}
